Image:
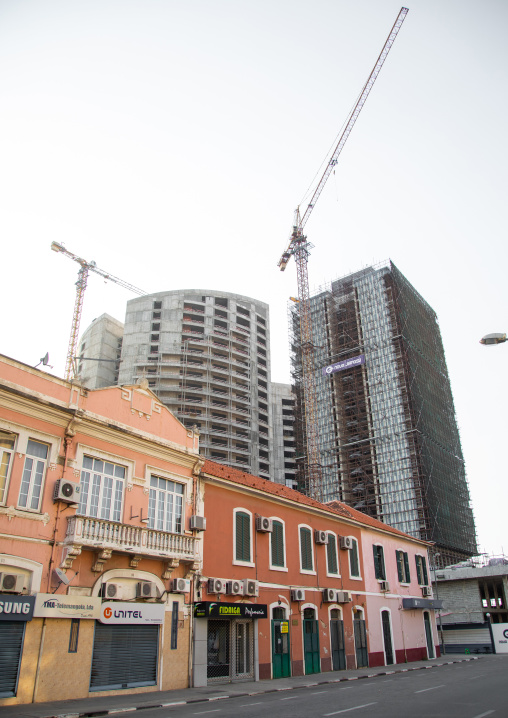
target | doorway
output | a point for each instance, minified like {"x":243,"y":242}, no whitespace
{"x":428,"y":635}
{"x":230,"y":650}
{"x":337,"y":641}
{"x":360,"y":631}
{"x":281,"y":659}
{"x":387,"y":637}
{"x":311,"y":641}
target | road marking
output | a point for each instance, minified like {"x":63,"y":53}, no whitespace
{"x":430,"y":689}
{"x":251,"y":704}
{"x":217,"y":710}
{"x":482,"y":715}
{"x":316,"y":693}
{"x":291,"y":698}
{"x":346,"y":710}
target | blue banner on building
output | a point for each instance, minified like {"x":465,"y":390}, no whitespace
{"x":344,"y":364}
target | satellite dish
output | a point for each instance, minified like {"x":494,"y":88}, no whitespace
{"x":61,"y":576}
{"x":44,"y":361}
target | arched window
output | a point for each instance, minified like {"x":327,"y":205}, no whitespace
{"x":306,"y":558}
{"x":242,"y":536}
{"x":277,"y":544}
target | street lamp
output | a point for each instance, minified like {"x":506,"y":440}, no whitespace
{"x":436,"y":555}
{"x":493,"y":339}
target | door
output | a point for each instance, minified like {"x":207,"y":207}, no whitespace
{"x":387,"y":637}
{"x":310,"y":642}
{"x":124,"y":656}
{"x":11,"y":648}
{"x":337,"y":640}
{"x":428,"y":635}
{"x":230,"y":650}
{"x":281,"y":663}
{"x":218,"y":667}
{"x":362,"y":655}
{"x":243,"y":650}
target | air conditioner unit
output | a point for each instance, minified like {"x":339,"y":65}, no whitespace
{"x":427,"y":591}
{"x":344,"y":597}
{"x":346,"y":542}
{"x":146,"y":589}
{"x":180,"y":585}
{"x":320,"y":536}
{"x":66,"y":491}
{"x":329,"y":595}
{"x":197,"y":523}
{"x":297,"y":594}
{"x":216,"y":585}
{"x":264,"y":524}
{"x":235,"y":588}
{"x":250,"y":587}
{"x":11,"y":582}
{"x":111,"y":590}
{"x":384,"y":586}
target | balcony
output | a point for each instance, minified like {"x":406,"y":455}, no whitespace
{"x":108,"y":536}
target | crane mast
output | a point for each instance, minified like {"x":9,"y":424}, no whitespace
{"x":84,"y":269}
{"x":300,"y":248}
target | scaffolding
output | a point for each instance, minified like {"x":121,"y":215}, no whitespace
{"x":388,"y":439}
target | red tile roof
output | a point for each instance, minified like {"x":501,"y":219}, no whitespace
{"x":221,"y":471}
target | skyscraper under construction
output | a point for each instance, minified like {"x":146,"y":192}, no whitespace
{"x":388,"y":439}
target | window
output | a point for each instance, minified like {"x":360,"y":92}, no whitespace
{"x":165,"y":504}
{"x":74,"y":635}
{"x":242,"y":534}
{"x":102,"y":485}
{"x":379,"y":562}
{"x":403,"y":567}
{"x":306,"y":562}
{"x":7,"y":443}
{"x":332,"y":563}
{"x":354,"y":562}
{"x":277,"y":545}
{"x":421,"y":571}
{"x":33,"y":475}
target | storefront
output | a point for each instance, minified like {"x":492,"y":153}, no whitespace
{"x":15,"y":611}
{"x":225,"y":647}
{"x":126,"y":645}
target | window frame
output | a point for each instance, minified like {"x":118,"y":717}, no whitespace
{"x":403,"y":570}
{"x":31,"y":483}
{"x":174,"y":518}
{"x":332,"y":574}
{"x":422,"y":574}
{"x":379,"y":562}
{"x":310,"y":572}
{"x":11,"y":453}
{"x":275,"y":567}
{"x":95,"y":456}
{"x":356,"y":550}
{"x":236,"y":561}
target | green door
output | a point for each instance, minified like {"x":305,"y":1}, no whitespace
{"x":311,"y":642}
{"x":338,"y":646}
{"x":428,"y":634}
{"x":281,"y":664}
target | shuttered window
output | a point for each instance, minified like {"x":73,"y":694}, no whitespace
{"x":124,"y":656}
{"x":421,"y":571}
{"x":331,"y":554}
{"x":379,"y":562}
{"x":242,"y":529}
{"x":11,"y":645}
{"x":306,"y":549}
{"x":277,"y":539}
{"x":403,"y":567}
{"x":354,"y":563}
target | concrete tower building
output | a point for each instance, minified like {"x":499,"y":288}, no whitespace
{"x":388,"y":438}
{"x":206,"y":354}
{"x":99,"y":352}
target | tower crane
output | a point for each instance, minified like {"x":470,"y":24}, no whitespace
{"x":80,"y":291}
{"x":300,"y":248}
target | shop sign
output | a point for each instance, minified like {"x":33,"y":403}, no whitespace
{"x":16,"y":608}
{"x":284,"y":627}
{"x":210,"y":609}
{"x":51,"y":605}
{"x":409,"y":604}
{"x":500,"y":636}
{"x":344,"y":364}
{"x":124,"y":612}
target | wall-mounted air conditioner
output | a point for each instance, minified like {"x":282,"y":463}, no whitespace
{"x":264,"y":524}
{"x":146,"y":589}
{"x":111,"y":590}
{"x":250,"y":587}
{"x":66,"y":491}
{"x":384,"y":586}
{"x":234,"y":588}
{"x":11,"y":582}
{"x":180,"y":585}
{"x":427,"y":591}
{"x":197,"y":523}
{"x":216,"y":585}
{"x":344,"y":597}
{"x":297,"y":594}
{"x":320,"y":537}
{"x":329,"y":595}
{"x":346,"y":542}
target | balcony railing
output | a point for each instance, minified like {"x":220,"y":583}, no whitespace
{"x":99,"y":533}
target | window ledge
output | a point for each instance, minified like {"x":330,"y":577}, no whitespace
{"x":308,"y":573}
{"x":278,"y":568}
{"x":244,"y":563}
{"x":31,"y":514}
{"x":356,"y":578}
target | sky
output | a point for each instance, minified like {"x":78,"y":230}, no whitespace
{"x":170,"y":141}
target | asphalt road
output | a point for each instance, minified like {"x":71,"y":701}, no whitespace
{"x":463,"y":690}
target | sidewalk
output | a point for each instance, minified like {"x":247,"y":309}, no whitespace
{"x":118,"y":704}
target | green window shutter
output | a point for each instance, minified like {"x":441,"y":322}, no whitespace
{"x":379,"y":563}
{"x":331,"y":550}
{"x":277,"y":544}
{"x":424,"y":572}
{"x":306,"y":548}
{"x":353,"y":560}
{"x":400,"y":566}
{"x":419,"y":569}
{"x":242,"y":536}
{"x":406,"y":568}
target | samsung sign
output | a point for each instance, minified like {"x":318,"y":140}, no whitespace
{"x":344,"y":364}
{"x":16,"y":608}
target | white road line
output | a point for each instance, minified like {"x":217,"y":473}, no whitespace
{"x":217,"y":710}
{"x":291,"y":698}
{"x":430,"y":689}
{"x":482,"y":715}
{"x":317,"y":693}
{"x":250,"y":704}
{"x":346,"y":710}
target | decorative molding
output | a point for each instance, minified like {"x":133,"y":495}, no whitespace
{"x":138,"y":481}
{"x":169,"y":567}
{"x":129,"y":487}
{"x":103,"y":556}
{"x":133,"y":563}
{"x":146,"y":490}
{"x":12,"y":512}
{"x":69,"y":554}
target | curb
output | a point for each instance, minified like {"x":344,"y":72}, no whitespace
{"x":115,"y":711}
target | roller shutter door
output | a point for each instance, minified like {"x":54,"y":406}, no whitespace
{"x":124,"y":656}
{"x":11,"y":646}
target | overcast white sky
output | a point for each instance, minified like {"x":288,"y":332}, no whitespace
{"x":170,"y":141}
